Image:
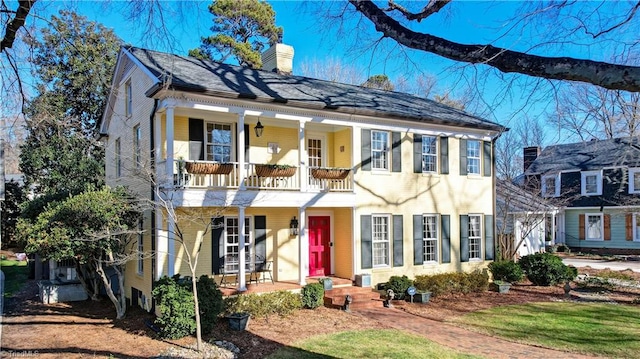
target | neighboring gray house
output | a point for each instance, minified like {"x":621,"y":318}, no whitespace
{"x":598,"y":184}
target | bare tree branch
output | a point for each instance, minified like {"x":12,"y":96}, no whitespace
{"x":431,"y":8}
{"x":603,"y":74}
{"x":24,"y":6}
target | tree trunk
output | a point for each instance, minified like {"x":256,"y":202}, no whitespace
{"x":194,"y":285}
{"x":83,"y":277}
{"x":119,"y":303}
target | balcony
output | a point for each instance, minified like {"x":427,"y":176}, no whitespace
{"x":254,"y":176}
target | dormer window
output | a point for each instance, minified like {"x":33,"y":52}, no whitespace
{"x":591,"y":183}
{"x":634,"y":180}
{"x":551,"y":185}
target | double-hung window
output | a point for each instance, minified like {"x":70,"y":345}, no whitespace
{"x":473,"y":157}
{"x":634,"y":180}
{"x":128,"y":98}
{"x":380,"y":150}
{"x":551,"y":185}
{"x":430,"y":238}
{"x":475,"y":237}
{"x":380,"y":239}
{"x":591,"y":183}
{"x":636,"y":227}
{"x":232,"y":242}
{"x":118,"y":158}
{"x":137,"y":138}
{"x":595,"y":227}
{"x":219,"y":142}
{"x":429,"y":154}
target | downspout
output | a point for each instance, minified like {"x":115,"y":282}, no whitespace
{"x":153,"y":195}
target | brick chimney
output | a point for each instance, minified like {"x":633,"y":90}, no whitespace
{"x":278,"y":58}
{"x":529,"y":155}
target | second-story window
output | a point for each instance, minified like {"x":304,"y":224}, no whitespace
{"x":380,"y":150}
{"x":429,"y":154}
{"x":591,"y":183}
{"x":118,"y":158}
{"x":128,"y":98}
{"x":551,"y":186}
{"x":634,"y":180}
{"x":137,"y":138}
{"x":473,"y":157}
{"x":219,"y":142}
{"x":380,"y":239}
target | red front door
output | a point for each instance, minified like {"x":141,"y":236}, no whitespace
{"x":319,"y":246}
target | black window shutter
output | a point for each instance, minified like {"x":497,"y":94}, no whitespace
{"x":396,"y":152}
{"x":366,"y":242}
{"x":246,"y":142}
{"x":463,"y":156}
{"x":489,"y":246}
{"x":486,"y":160}
{"x":196,"y":139}
{"x":366,"y":150}
{"x":445,"y":224}
{"x":444,"y":155}
{"x":417,"y":153}
{"x":397,"y":241}
{"x":260,"y":224}
{"x":418,"y":246}
{"x":217,"y":244}
{"x":464,"y":238}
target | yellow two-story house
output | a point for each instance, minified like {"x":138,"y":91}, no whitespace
{"x":316,"y":178}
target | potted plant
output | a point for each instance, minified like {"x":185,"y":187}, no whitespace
{"x":209,"y":168}
{"x":327,"y":283}
{"x":238,"y":321}
{"x":273,"y":170}
{"x":330,"y":173}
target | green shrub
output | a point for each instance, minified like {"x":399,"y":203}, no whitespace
{"x":399,"y":285}
{"x":313,"y":295}
{"x":281,"y":303}
{"x":546,"y":269}
{"x":209,"y":302}
{"x":507,"y":271}
{"x":174,"y":301}
{"x":453,"y":282}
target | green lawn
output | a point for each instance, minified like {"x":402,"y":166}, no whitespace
{"x":600,"y":329}
{"x":372,"y":343}
{"x":15,"y":275}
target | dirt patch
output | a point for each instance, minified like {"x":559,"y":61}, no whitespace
{"x":88,"y":329}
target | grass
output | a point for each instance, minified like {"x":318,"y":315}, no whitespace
{"x":372,"y":343}
{"x":15,"y":275}
{"x":598,"y":329}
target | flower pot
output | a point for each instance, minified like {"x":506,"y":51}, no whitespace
{"x":207,"y":168}
{"x":330,"y":173}
{"x":238,"y":321}
{"x":327,"y":283}
{"x":275,"y":170}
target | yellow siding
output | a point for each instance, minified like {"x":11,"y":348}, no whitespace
{"x":343,"y":251}
{"x":341,"y":148}
{"x":287,"y":139}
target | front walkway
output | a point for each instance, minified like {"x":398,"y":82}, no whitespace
{"x":461,"y":339}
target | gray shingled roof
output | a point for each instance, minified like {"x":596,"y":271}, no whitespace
{"x":218,"y":79}
{"x":587,"y":156}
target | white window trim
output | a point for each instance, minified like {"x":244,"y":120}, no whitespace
{"x":323,"y":146}
{"x":232,"y":154}
{"x":632,"y":188}
{"x":583,"y":182}
{"x":480,"y":238}
{"x":128,"y":98}
{"x":388,"y":152}
{"x":636,"y":233}
{"x":556,"y":190}
{"x":586,"y":227}
{"x":249,"y":243}
{"x":388,"y":241}
{"x":436,"y":239}
{"x":435,"y":155}
{"x":479,"y":158}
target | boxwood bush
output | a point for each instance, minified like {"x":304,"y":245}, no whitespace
{"x":453,"y":282}
{"x":508,"y":271}
{"x":399,"y":285}
{"x":546,"y":269}
{"x":262,"y":305}
{"x":313,"y":295}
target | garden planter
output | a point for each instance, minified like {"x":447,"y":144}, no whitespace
{"x":501,"y":287}
{"x":420,"y":297}
{"x":327,"y":283}
{"x":207,"y":168}
{"x":238,"y":321}
{"x":330,"y":173}
{"x":275,"y":170}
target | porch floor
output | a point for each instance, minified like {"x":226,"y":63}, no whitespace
{"x":229,"y":289}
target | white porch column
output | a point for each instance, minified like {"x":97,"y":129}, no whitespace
{"x":170,"y":138}
{"x":157,"y":146}
{"x":242,"y":270}
{"x":303,"y":267}
{"x":171,"y":247}
{"x":302,"y":158}
{"x":161,"y":245}
{"x":240,"y":149}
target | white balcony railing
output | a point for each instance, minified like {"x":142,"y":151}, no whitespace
{"x":252,"y":178}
